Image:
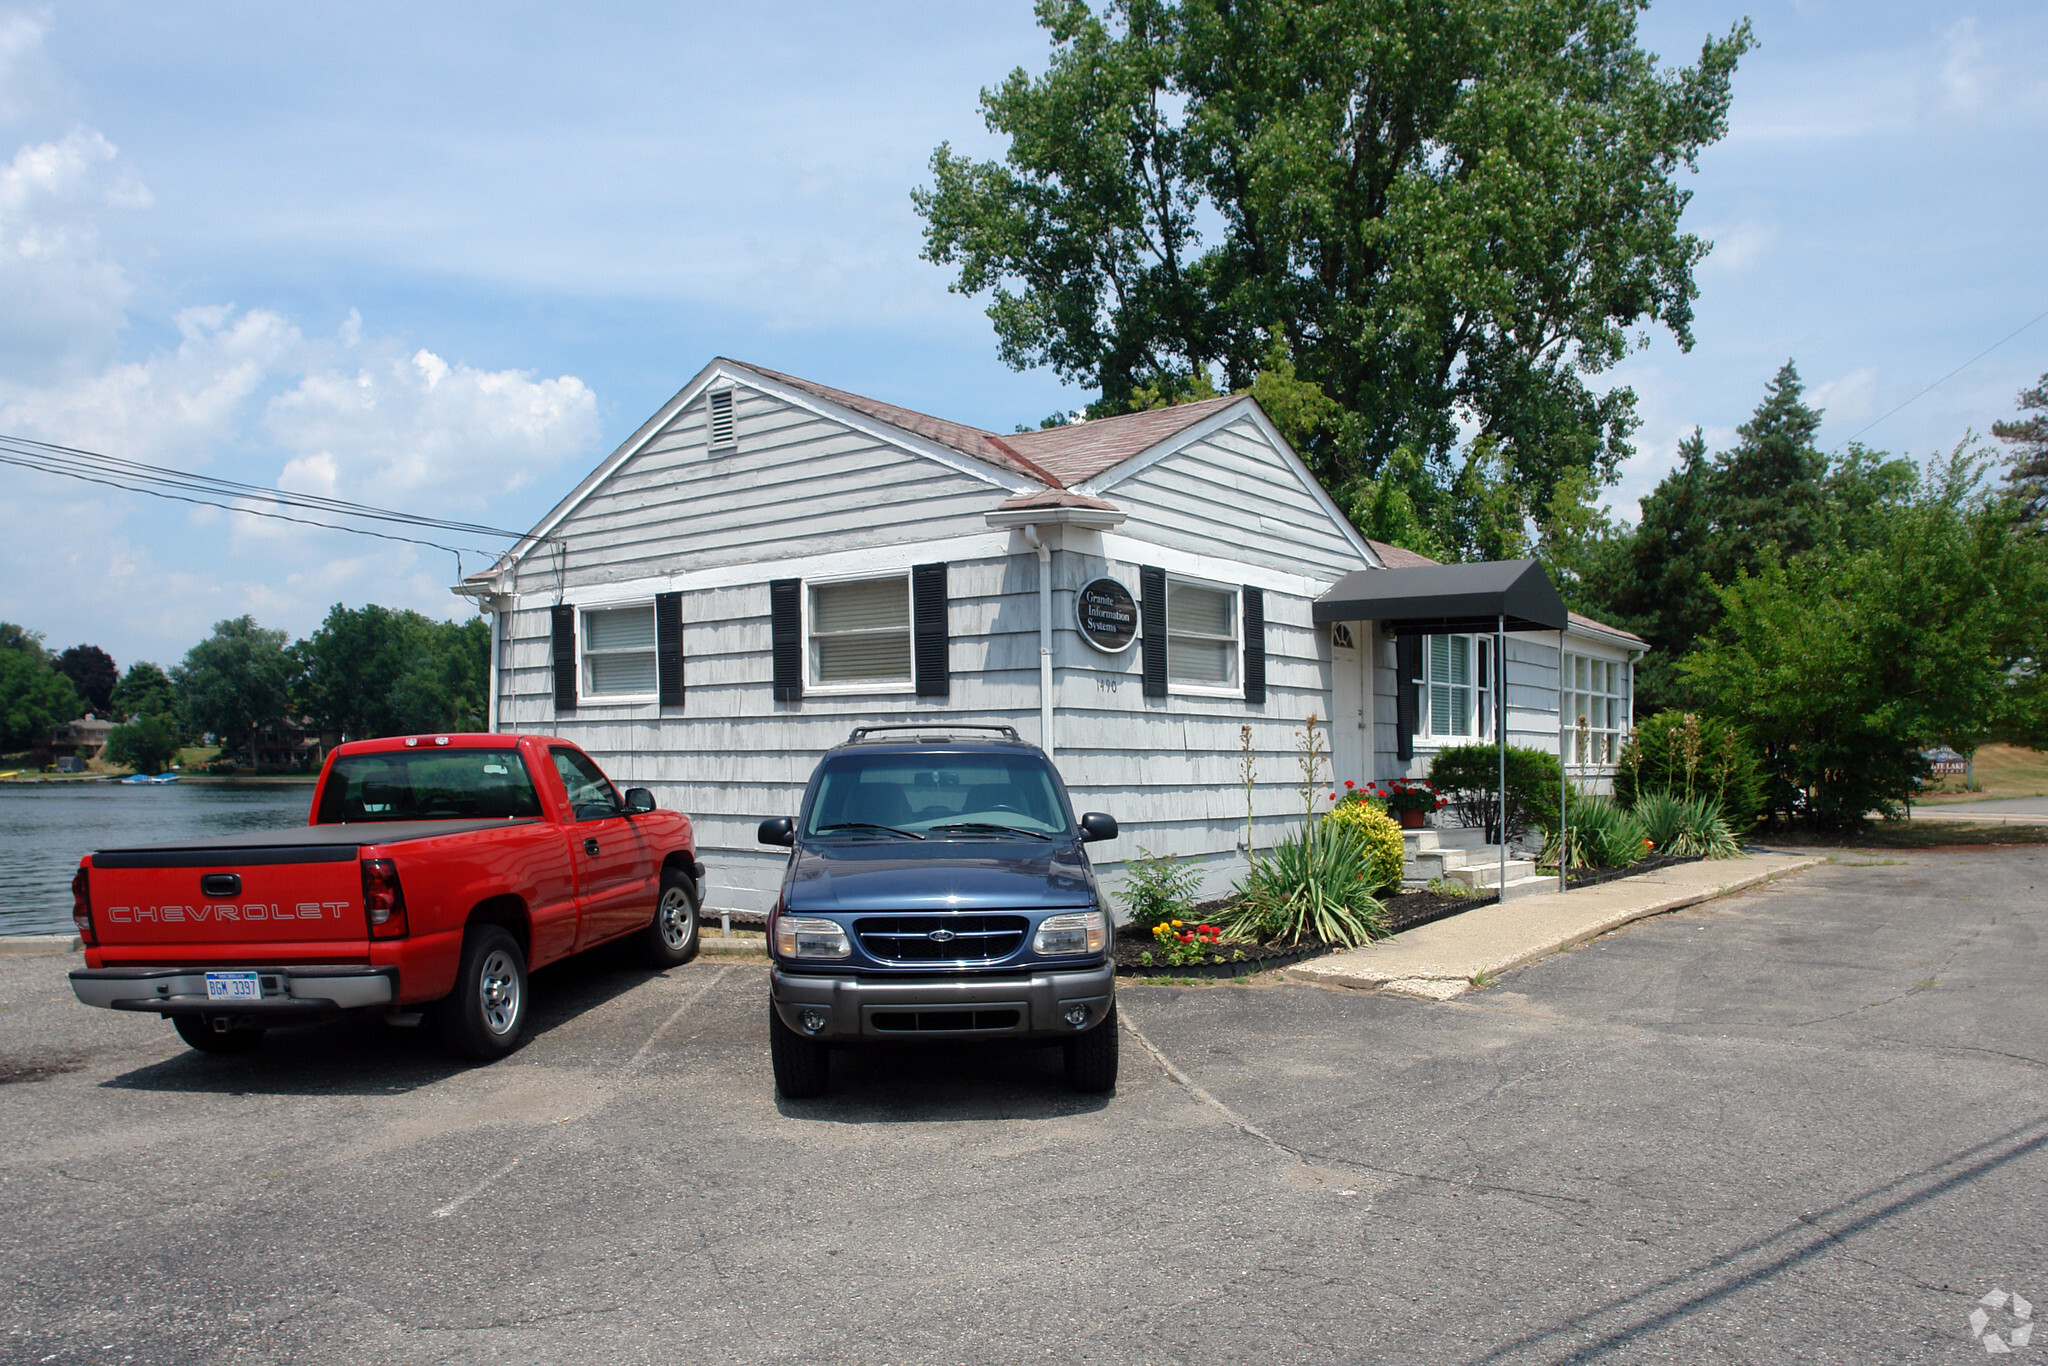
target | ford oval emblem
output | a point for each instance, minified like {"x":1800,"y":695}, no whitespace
{"x":941,"y":936}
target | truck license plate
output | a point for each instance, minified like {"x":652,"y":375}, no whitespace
{"x":233,"y":986}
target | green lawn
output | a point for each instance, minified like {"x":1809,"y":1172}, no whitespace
{"x":2002,"y":771}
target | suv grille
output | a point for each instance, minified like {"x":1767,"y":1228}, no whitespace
{"x":941,"y":938}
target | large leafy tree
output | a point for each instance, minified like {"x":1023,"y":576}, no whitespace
{"x":1847,"y":660}
{"x":372,"y":671}
{"x":1452,"y":214}
{"x":147,"y":744}
{"x":34,"y":699}
{"x":2028,"y":437}
{"x":235,"y":682}
{"x":93,"y":672}
{"x":145,"y":690}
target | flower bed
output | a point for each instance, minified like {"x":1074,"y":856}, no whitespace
{"x":1138,"y":956}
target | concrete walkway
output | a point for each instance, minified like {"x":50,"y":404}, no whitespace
{"x":1440,"y":960}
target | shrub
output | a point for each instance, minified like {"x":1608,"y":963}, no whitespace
{"x":1602,"y":834}
{"x":1685,"y":828}
{"x":1157,"y":888}
{"x":1386,"y":853}
{"x":1310,"y":888}
{"x":1688,"y":754}
{"x":147,"y":743}
{"x":1468,"y":778}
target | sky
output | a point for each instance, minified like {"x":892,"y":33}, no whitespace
{"x":444,"y":258}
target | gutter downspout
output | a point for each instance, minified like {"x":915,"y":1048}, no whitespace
{"x":497,"y":648}
{"x":1045,"y":741}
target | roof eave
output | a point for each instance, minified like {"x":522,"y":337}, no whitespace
{"x":1088,"y":519}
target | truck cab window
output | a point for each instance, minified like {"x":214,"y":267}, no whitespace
{"x":591,"y":794}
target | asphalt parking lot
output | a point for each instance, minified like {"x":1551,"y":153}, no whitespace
{"x":1807,"y":1123}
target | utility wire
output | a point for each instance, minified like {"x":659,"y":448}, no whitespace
{"x":1950,"y":375}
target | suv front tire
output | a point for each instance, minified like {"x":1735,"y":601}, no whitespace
{"x":802,"y":1066}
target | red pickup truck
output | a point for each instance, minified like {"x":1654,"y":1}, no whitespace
{"x":436,"y":871}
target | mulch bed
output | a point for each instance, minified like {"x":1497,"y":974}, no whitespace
{"x":1132,"y":946}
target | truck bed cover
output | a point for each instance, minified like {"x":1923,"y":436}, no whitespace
{"x":298,"y":844}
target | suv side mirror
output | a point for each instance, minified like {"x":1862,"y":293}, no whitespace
{"x":638,"y":799}
{"x":1096,"y":826}
{"x":777,"y":830}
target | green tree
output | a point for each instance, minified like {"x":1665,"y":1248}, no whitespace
{"x":235,"y":682}
{"x":93,"y":673}
{"x":373,"y":671}
{"x":143,"y":691}
{"x":2028,"y":437}
{"x":34,"y":699}
{"x":147,"y":744}
{"x":21,"y":640}
{"x":1845,"y":663}
{"x":1450,"y":212}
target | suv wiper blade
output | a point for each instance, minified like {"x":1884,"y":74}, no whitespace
{"x":990,"y":825}
{"x":868,"y":825}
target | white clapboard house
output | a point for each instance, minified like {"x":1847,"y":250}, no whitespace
{"x":767,"y":562}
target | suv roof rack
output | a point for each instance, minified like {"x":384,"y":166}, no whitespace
{"x":940,"y":727}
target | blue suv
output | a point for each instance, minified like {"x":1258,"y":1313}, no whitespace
{"x":937,"y":888}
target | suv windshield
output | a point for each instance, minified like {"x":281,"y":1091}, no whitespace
{"x":427,"y":785}
{"x":937,"y":794}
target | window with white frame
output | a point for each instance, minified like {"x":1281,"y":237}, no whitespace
{"x":860,"y":632}
{"x":618,"y":651}
{"x":1201,"y":635}
{"x":1457,"y":687}
{"x":1596,"y":708}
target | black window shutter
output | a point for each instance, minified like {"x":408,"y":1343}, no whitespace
{"x":1254,"y":645}
{"x":785,"y":607}
{"x":565,"y":657}
{"x":668,"y":647}
{"x":928,"y":629}
{"x":1152,"y":587}
{"x":1407,"y":668}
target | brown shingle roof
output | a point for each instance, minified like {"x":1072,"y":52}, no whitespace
{"x":1079,"y":451}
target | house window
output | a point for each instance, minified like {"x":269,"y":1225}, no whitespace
{"x":860,"y":632}
{"x":1201,"y":635}
{"x":724,"y":433}
{"x":1596,"y":708}
{"x":1457,"y":687}
{"x":618,"y":651}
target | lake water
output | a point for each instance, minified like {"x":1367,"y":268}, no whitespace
{"x":45,"y":827}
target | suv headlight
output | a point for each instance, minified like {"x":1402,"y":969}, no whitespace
{"x":797,"y":937}
{"x":1080,"y":932}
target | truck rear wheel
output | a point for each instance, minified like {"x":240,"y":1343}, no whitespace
{"x":671,"y":939}
{"x":802,"y":1066}
{"x":198,"y":1031}
{"x":485,"y":1015}
{"x":1091,"y":1059}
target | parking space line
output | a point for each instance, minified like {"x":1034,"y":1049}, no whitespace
{"x":474,"y":1191}
{"x":633,"y":1065}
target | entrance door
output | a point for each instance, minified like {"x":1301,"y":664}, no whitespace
{"x":1350,"y":703}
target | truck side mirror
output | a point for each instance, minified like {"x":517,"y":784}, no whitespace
{"x":638,"y":799}
{"x":1096,"y":826}
{"x":777,"y":830}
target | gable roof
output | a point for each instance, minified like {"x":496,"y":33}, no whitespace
{"x":1079,"y":451}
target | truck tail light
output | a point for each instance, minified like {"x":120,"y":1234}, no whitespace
{"x":81,"y":906}
{"x":383,"y":899}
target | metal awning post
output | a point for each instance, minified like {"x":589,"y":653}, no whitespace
{"x":1500,"y":725}
{"x":1563,"y":830}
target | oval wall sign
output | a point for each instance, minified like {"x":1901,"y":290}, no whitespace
{"x":1108,"y":615}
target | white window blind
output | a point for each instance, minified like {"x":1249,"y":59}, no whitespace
{"x":1458,"y":686}
{"x":1201,"y":635}
{"x":724,"y":434}
{"x":1597,"y":708}
{"x":618,"y":651}
{"x":860,"y":632}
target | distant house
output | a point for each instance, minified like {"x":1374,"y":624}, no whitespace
{"x":82,"y":739}
{"x":767,"y":562}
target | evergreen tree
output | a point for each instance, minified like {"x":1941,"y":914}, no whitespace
{"x":2027,"y":481}
{"x":1764,"y":497}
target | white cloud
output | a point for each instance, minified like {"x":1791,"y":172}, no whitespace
{"x":1848,"y":400}
{"x":66,"y":294}
{"x":1737,"y":248}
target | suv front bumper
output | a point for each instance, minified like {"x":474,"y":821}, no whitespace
{"x":1029,"y":1005}
{"x":289,"y":993}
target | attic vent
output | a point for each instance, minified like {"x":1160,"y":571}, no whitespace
{"x":723,"y":437}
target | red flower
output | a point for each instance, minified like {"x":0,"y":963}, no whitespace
{"x":1349,"y":783}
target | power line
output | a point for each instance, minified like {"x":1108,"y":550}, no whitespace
{"x":1950,"y":375}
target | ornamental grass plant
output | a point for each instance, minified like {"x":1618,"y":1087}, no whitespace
{"x":1598,"y":834}
{"x":1686,"y":828}
{"x":1318,"y":884}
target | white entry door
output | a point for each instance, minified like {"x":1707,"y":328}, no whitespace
{"x":1350,"y":704}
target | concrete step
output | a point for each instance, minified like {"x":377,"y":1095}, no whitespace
{"x":1488,"y":873}
{"x":1536,"y":885}
{"x":1446,"y":837}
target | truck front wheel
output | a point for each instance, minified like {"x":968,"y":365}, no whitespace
{"x":198,"y":1031}
{"x":671,"y":940}
{"x":802,"y":1066}
{"x":485,"y":1015}
{"x":1091,"y":1059}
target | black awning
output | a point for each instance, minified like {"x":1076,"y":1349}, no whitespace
{"x":1448,"y":597}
